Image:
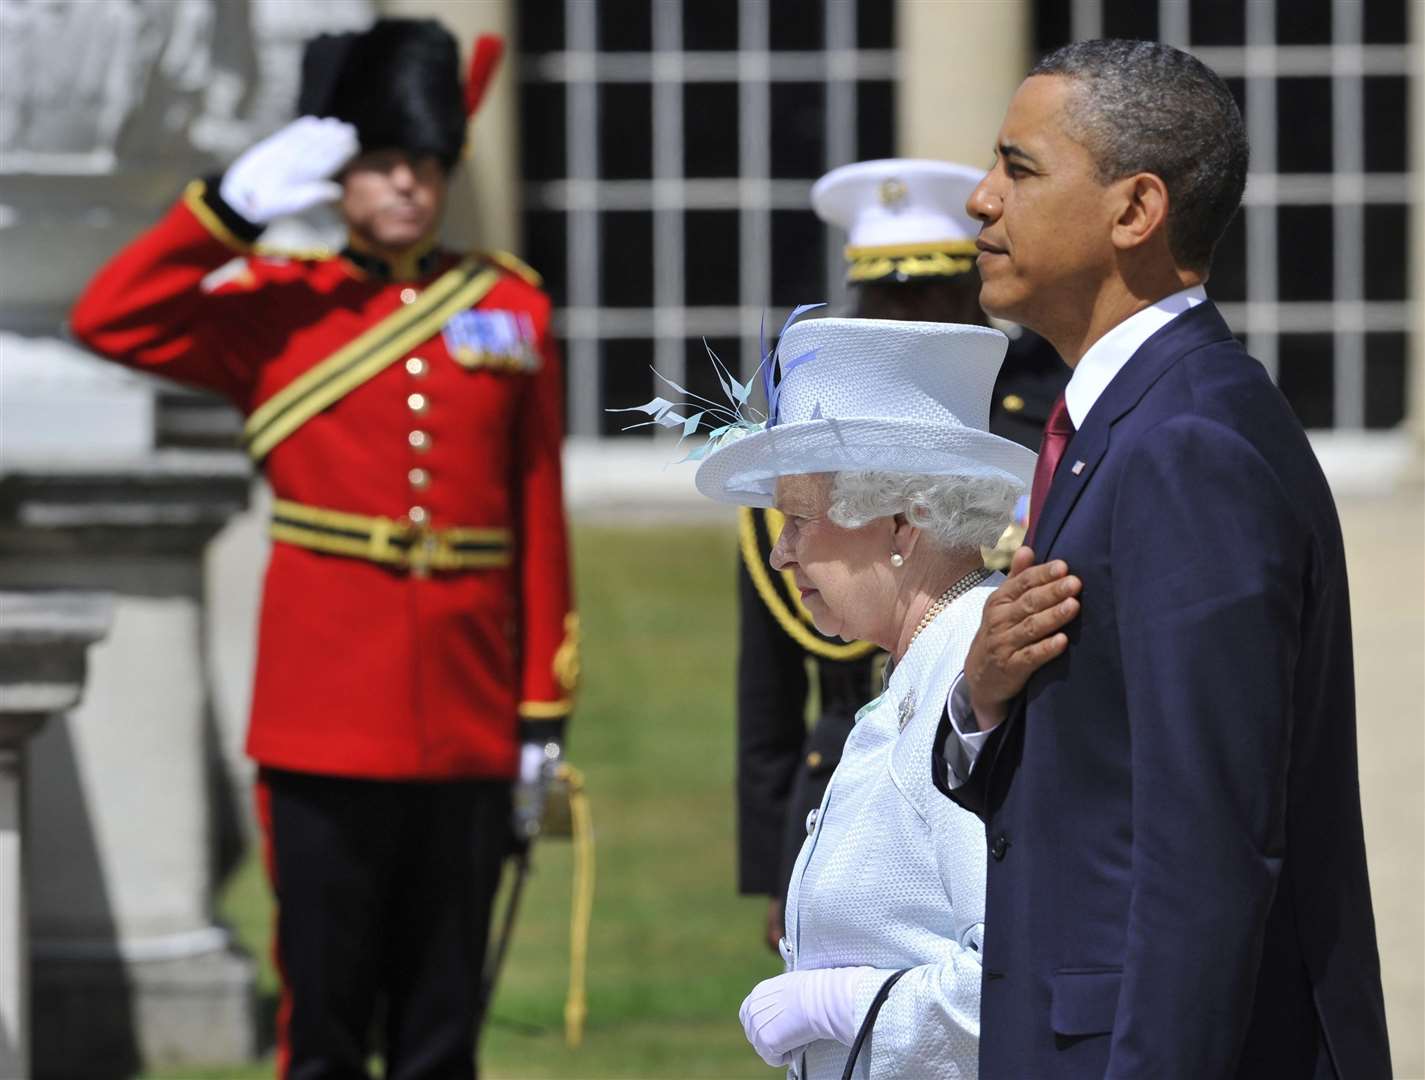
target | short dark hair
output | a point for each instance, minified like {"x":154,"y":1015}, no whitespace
{"x":1142,"y":106}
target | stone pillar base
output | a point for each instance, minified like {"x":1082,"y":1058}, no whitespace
{"x":104,"y":1018}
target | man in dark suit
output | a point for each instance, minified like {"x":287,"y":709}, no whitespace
{"x":1177,"y":883}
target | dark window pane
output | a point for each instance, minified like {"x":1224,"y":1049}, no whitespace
{"x":1130,"y":19}
{"x":1385,"y":379}
{"x":796,"y":24}
{"x":624,"y":25}
{"x":1387,"y":235}
{"x":1216,"y":22}
{"x":711,"y":257}
{"x":1052,"y":26}
{"x":875,"y":25}
{"x":545,"y":248}
{"x":540,"y":28}
{"x":625,"y":380}
{"x":541,"y":131}
{"x":798,"y":258}
{"x":709,"y":26}
{"x":1304,"y":125}
{"x":1228,"y":283}
{"x":1306,"y":378}
{"x":1384,"y":22}
{"x":1387,"y":108}
{"x":626,"y":257}
{"x":798,"y":130}
{"x":710,"y":146}
{"x":701,"y":377}
{"x":1304,"y":22}
{"x":1304,"y":252}
{"x":875,"y":120}
{"x":625,"y":130}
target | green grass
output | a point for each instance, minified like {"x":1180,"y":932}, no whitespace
{"x":673,"y":949}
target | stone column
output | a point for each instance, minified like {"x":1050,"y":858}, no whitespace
{"x":129,"y":967}
{"x":43,"y":639}
{"x":959,"y":66}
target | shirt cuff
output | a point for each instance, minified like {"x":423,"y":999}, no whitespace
{"x":961,"y":751}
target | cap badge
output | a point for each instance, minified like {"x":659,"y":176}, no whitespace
{"x":892,"y":192}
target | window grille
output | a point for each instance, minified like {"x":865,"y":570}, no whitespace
{"x":668,"y":154}
{"x":1313,"y":273}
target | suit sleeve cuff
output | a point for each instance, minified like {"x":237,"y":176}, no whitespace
{"x":965,"y":740}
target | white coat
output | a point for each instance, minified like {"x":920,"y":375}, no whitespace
{"x":892,"y":875}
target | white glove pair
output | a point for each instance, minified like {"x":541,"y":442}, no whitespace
{"x":785,"y":1013}
{"x":291,"y":170}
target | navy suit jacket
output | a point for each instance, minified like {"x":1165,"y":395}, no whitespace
{"x":1177,"y":882}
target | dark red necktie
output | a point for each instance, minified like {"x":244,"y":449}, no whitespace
{"x":1058,"y":430}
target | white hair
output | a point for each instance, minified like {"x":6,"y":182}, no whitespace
{"x":954,"y":511}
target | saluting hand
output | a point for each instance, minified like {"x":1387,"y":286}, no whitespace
{"x":290,"y":170}
{"x":1020,"y":631}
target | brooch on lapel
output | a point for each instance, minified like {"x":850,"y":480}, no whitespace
{"x":905,"y":710}
{"x":502,"y":340}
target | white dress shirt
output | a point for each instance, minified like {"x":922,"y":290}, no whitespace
{"x":1105,"y":358}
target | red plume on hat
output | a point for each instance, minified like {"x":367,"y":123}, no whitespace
{"x":398,"y":84}
{"x":484,"y":62}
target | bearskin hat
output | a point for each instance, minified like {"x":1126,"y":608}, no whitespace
{"x":397,"y":83}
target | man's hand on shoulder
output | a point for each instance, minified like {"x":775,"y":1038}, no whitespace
{"x":291,"y":170}
{"x":1020,"y":631}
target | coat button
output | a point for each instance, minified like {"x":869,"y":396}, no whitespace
{"x":417,"y":515}
{"x":417,"y":403}
{"x":417,"y":366}
{"x":814,"y":759}
{"x":999,"y":847}
{"x":408,"y":296}
{"x":419,"y":440}
{"x":1013,"y":403}
{"x":811,"y":821}
{"x":419,"y":478}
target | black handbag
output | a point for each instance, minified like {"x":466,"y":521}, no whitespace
{"x":867,"y":1024}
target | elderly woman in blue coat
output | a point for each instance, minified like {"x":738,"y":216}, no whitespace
{"x":877,"y":453}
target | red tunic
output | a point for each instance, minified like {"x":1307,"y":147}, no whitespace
{"x":362,"y":669}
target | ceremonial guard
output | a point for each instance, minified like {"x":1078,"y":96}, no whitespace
{"x":910,"y":255}
{"x":417,"y":643}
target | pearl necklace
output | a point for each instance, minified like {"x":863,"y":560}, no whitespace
{"x":949,"y":596}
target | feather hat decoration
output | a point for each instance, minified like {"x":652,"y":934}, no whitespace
{"x":724,"y":423}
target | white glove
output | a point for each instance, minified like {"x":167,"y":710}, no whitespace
{"x":537,"y":764}
{"x":785,"y":1013}
{"x":290,"y":170}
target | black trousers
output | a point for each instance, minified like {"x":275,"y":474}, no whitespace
{"x":383,"y":892}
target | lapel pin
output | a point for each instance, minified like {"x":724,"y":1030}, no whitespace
{"x":1078,"y":468}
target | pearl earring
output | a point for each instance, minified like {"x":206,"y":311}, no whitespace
{"x":897,"y":559}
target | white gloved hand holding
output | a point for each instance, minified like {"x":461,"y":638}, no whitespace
{"x":291,"y":170}
{"x":785,"y":1013}
{"x":537,"y":763}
